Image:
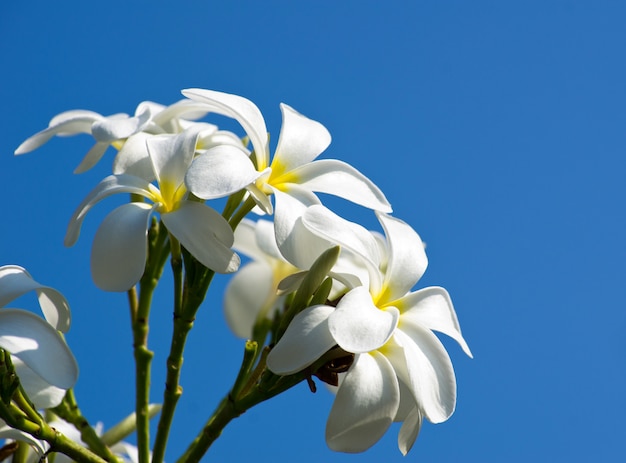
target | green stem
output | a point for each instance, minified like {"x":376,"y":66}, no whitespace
{"x":69,"y":411}
{"x":157,"y":255}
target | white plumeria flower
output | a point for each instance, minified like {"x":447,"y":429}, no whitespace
{"x":401,"y":371}
{"x":252,"y":293}
{"x":293,"y":170}
{"x":105,"y":129}
{"x":42,"y":360}
{"x":150,"y":119}
{"x":119,"y":249}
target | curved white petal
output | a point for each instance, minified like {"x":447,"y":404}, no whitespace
{"x":300,"y":141}
{"x":266,"y":240}
{"x":246,"y":242}
{"x":306,"y":339}
{"x":92,"y":157}
{"x":171,"y":156}
{"x":205,"y":234}
{"x":340,"y":179}
{"x":39,"y":346}
{"x":410,"y":430}
{"x":407,"y":258}
{"x":219,"y":172}
{"x":109,"y":186}
{"x":324,"y":223}
{"x":365,"y":406}
{"x":243,"y":111}
{"x":432,"y":308}
{"x":296,"y":243}
{"x":66,"y":123}
{"x":133,"y":158}
{"x":218,"y":138}
{"x":41,"y":393}
{"x":245,"y":297}
{"x":118,"y":254}
{"x":422,"y":362}
{"x":111,"y":129}
{"x":358,"y":326}
{"x":16,"y":281}
{"x":7,"y":432}
{"x":186,"y":109}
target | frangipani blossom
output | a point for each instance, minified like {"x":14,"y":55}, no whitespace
{"x":293,"y":170}
{"x":116,"y":130}
{"x":401,"y":371}
{"x":119,"y":249}
{"x":42,"y":360}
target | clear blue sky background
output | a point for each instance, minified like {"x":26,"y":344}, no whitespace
{"x":497,"y":129}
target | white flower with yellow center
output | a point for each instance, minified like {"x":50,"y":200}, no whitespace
{"x":119,"y":249}
{"x":293,"y":170}
{"x":400,"y":371}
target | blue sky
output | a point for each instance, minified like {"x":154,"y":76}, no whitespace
{"x":496,"y":129}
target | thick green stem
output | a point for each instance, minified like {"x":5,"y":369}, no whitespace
{"x":157,"y":255}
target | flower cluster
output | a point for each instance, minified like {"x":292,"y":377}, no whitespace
{"x":352,"y":319}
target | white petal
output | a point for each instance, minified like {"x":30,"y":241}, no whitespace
{"x":266,"y":239}
{"x":410,"y":430}
{"x":39,"y":346}
{"x":40,"y":392}
{"x":133,"y":158}
{"x":247,"y":294}
{"x":340,"y":179}
{"x":110,"y":185}
{"x":245,"y":240}
{"x":7,"y":432}
{"x":66,"y":123}
{"x":424,"y":365}
{"x":219,"y":172}
{"x":349,"y":235}
{"x":407,"y":259}
{"x":16,"y":281}
{"x":243,"y":111}
{"x":358,"y":325}
{"x":92,"y":157}
{"x":205,"y":234}
{"x":171,"y":156}
{"x":296,"y":243}
{"x":186,"y":109}
{"x":432,"y":308}
{"x":365,"y":406}
{"x":306,"y":339}
{"x":111,"y":129}
{"x":118,"y":254}
{"x":301,"y":140}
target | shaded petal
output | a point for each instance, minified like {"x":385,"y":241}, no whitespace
{"x":119,"y":251}
{"x":92,"y":157}
{"x":422,"y":363}
{"x":358,"y":325}
{"x":41,"y":393}
{"x":67,"y":123}
{"x":243,"y":111}
{"x":186,"y":109}
{"x":349,"y":235}
{"x":39,"y":346}
{"x":340,"y":179}
{"x":111,"y":129}
{"x":219,"y":172}
{"x":306,"y":339}
{"x":247,"y":294}
{"x":296,"y":243}
{"x":205,"y":234}
{"x":410,"y":430}
{"x":171,"y":156}
{"x":266,"y":240}
{"x":432,"y":308}
{"x":110,"y":185}
{"x":16,"y":281}
{"x":407,"y":258}
{"x":300,"y":141}
{"x":7,"y":432}
{"x":133,"y":158}
{"x":246,"y":242}
{"x":218,"y":138}
{"x":365,"y":406}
